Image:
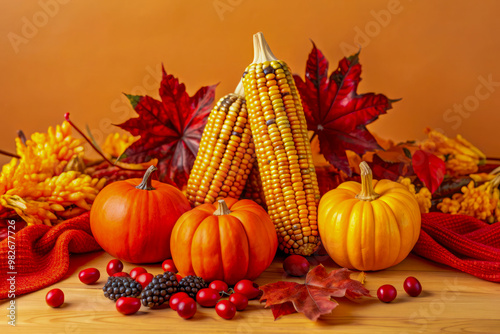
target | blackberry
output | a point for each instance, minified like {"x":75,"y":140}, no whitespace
{"x":191,"y":285}
{"x":159,"y":291}
{"x":117,"y":287}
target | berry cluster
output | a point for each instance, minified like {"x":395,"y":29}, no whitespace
{"x":182,"y":294}
{"x":160,"y":289}
{"x":185,"y":305}
{"x":117,"y":287}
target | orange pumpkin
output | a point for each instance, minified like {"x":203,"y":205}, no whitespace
{"x":228,"y":241}
{"x":368,"y":226}
{"x":133,"y":219}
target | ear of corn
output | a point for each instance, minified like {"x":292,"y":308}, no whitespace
{"x":253,"y":188}
{"x":226,"y":153}
{"x":283,"y":151}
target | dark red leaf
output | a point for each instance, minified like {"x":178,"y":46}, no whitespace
{"x":335,"y":111}
{"x":429,"y":168}
{"x":313,"y":298}
{"x":283,"y":309}
{"x":328,"y":178}
{"x":170,"y":129}
{"x":391,"y":164}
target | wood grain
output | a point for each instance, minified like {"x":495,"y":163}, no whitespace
{"x":451,"y":302}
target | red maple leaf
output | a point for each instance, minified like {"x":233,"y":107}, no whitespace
{"x":170,"y":129}
{"x":313,"y":298}
{"x":429,"y":168}
{"x":335,"y":111}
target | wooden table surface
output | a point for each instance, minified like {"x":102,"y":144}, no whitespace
{"x":451,"y":301}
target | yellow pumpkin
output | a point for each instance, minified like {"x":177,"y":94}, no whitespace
{"x":370,"y":225}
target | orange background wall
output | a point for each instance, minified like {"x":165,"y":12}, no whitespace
{"x":79,"y":56}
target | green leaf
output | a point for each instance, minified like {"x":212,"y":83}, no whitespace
{"x":407,"y":152}
{"x":134,"y":99}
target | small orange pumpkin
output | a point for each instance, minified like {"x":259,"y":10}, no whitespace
{"x":228,"y":241}
{"x":368,"y":226}
{"x":133,"y":219}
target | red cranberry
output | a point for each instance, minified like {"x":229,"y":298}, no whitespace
{"x":121,"y":274}
{"x":296,"y":265}
{"x":137,"y":271}
{"x":207,"y":297}
{"x":144,"y":279}
{"x":219,"y":286}
{"x":239,"y":301}
{"x":412,"y":286}
{"x":387,"y":293}
{"x":55,"y":298}
{"x":176,"y":299}
{"x":114,"y":266}
{"x":225,"y":309}
{"x":186,"y":308}
{"x":128,"y":305}
{"x":169,"y":265}
{"x":247,"y":288}
{"x":89,"y":275}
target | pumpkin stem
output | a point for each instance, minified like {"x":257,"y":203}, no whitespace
{"x":367,"y":193}
{"x":146,"y":180}
{"x":222,"y":209}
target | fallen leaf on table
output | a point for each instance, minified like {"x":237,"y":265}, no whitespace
{"x":283,"y":309}
{"x":170,"y":130}
{"x":314,"y":297}
{"x":335,"y":111}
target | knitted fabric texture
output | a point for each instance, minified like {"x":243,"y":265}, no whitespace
{"x":462,"y":242}
{"x":42,"y":254}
